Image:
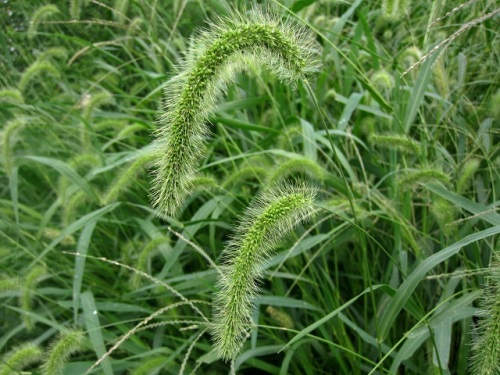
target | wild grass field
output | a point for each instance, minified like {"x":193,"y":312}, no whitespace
{"x":251,"y":187}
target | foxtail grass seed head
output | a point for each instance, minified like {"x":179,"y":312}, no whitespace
{"x":150,"y":366}
{"x":205,"y":181}
{"x":494,"y":106}
{"x":35,"y":69}
{"x":42,"y":13}
{"x":238,"y":177}
{"x":68,"y":343}
{"x":75,"y":8}
{"x":94,"y":101}
{"x":271,"y":216}
{"x":395,"y":141}
{"x":445,"y":213}
{"x":420,"y":176}
{"x":72,"y":205}
{"x":144,"y":256}
{"x":20,"y":357}
{"x":395,"y":9}
{"x":54,"y":52}
{"x":383,"y":80}
{"x":26,"y":299}
{"x":282,"y":318}
{"x":125,"y":178}
{"x":215,"y":56}
{"x":466,"y":174}
{"x":297,"y":164}
{"x":9,"y":284}
{"x":52,"y":234}
{"x":11,"y":95}
{"x":440,"y":77}
{"x":8,"y":141}
{"x":287,"y":136}
{"x":486,"y":345}
{"x":410,"y":56}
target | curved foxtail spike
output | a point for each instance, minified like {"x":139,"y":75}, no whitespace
{"x":214,"y":58}
{"x":20,"y":357}
{"x":270,"y":217}
{"x":67,"y":343}
{"x":486,"y":344}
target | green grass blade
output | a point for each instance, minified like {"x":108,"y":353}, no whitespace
{"x":65,"y":170}
{"x":351,"y":105}
{"x":14,"y":192}
{"x":408,"y":286}
{"x":326,"y":318}
{"x":285,"y":302}
{"x":91,"y":217}
{"x":454,"y":311}
{"x":310,"y":146}
{"x":94,"y":330}
{"x":82,"y":247}
{"x":482,"y":212}
{"x":418,"y":92}
{"x":238,"y":124}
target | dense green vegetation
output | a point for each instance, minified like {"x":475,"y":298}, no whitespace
{"x":385,"y":276}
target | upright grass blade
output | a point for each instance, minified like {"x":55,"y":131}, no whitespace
{"x":480,"y":211}
{"x":457,"y":310}
{"x":91,"y":217}
{"x":94,"y":330}
{"x":65,"y":170}
{"x":406,"y":289}
{"x":418,"y":92}
{"x":329,"y":316}
{"x":82,"y":247}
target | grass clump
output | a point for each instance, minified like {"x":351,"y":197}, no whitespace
{"x":386,"y":279}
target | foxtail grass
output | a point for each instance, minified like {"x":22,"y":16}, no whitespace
{"x":20,"y":357}
{"x":395,"y":9}
{"x":272,"y":215}
{"x":68,"y":343}
{"x":125,"y":178}
{"x":26,"y":299}
{"x":215,"y":56}
{"x":37,"y":68}
{"x":8,"y":141}
{"x":297,"y":164}
{"x":485,"y":358}
{"x":38,"y":16}
{"x":395,"y":141}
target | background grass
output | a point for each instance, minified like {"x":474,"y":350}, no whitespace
{"x":385,"y":279}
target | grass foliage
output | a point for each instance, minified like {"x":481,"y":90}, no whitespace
{"x":387,"y":110}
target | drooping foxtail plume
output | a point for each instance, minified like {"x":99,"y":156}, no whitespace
{"x":214,"y":58}
{"x":269,"y":218}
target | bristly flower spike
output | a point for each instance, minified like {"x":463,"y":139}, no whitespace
{"x":273,"y":214}
{"x":215,"y":56}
